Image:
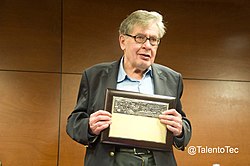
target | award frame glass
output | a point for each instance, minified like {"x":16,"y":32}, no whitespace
{"x":135,"y":120}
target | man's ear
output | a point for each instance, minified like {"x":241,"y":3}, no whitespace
{"x":122,"y":42}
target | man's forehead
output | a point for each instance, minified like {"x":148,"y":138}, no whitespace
{"x":151,"y":30}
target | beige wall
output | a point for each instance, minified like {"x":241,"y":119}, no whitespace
{"x":45,"y":45}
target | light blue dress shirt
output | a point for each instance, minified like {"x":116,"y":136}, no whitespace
{"x":145,"y":85}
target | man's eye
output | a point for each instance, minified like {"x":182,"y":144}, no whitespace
{"x":140,"y":37}
{"x":153,"y":39}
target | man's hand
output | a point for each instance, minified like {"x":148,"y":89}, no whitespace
{"x":99,"y":121}
{"x":173,"y":120}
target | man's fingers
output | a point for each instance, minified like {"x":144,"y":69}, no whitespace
{"x":173,"y":121}
{"x":101,"y":112}
{"x":99,"y":116}
{"x":173,"y":129}
{"x":99,"y":126}
{"x":171,"y":112}
{"x":99,"y":121}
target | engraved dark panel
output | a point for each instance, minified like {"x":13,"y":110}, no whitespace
{"x":138,"y":107}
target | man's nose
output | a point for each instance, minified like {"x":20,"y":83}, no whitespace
{"x":147,"y":44}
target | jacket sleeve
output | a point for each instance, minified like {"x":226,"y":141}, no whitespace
{"x":78,"y":121}
{"x":182,"y":141}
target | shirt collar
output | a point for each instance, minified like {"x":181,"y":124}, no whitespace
{"x":122,"y":74}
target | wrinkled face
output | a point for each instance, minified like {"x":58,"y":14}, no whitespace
{"x":139,"y":56}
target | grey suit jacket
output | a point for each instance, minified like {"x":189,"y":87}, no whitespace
{"x":95,"y":80}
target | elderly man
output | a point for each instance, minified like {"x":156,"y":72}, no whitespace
{"x":139,"y":38}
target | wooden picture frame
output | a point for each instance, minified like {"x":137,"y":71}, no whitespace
{"x":135,"y":120}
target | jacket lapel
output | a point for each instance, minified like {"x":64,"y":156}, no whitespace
{"x":112,"y":73}
{"x":160,"y":81}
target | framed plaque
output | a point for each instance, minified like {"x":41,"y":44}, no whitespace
{"x":135,"y":120}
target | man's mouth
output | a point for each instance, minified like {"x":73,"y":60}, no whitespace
{"x":145,"y":55}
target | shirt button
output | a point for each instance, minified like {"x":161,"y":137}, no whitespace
{"x":111,"y":154}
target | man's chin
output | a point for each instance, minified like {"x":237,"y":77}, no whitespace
{"x":144,"y":66}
